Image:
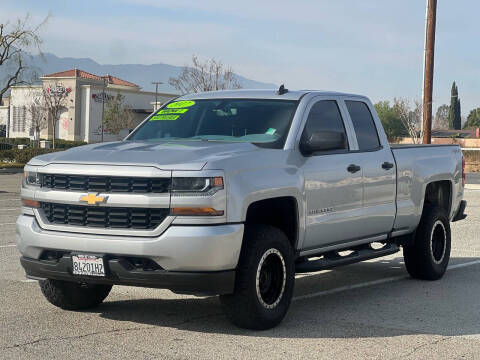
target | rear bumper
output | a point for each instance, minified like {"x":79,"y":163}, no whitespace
{"x":119,"y":273}
{"x":460,"y":213}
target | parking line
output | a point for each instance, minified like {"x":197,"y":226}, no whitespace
{"x":7,"y":224}
{"x":5,"y":246}
{"x":8,"y":209}
{"x":374,"y":282}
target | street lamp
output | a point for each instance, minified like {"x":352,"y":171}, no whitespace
{"x":156,"y":83}
{"x":103,"y":103}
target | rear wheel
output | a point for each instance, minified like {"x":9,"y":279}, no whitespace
{"x":74,"y":296}
{"x":427,"y":258}
{"x":264,"y":280}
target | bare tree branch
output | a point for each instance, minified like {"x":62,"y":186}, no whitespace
{"x":411,"y":117}
{"x":208,"y":76}
{"x":54,"y":100}
{"x":38,"y":114}
{"x":15,"y":42}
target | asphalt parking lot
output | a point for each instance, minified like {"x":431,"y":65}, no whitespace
{"x":367,"y":310}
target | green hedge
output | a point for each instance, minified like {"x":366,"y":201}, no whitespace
{"x":59,"y":144}
{"x":22,"y":156}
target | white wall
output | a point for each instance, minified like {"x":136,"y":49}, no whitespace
{"x":20,"y":120}
{"x":3,"y":117}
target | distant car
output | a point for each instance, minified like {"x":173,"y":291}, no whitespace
{"x":232,"y":193}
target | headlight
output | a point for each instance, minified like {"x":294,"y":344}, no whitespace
{"x":196,"y":186}
{"x":32,"y":178}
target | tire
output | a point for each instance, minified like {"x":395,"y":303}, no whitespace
{"x":74,"y":296}
{"x":264,"y":280}
{"x":427,"y":258}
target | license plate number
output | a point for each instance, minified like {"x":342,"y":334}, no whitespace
{"x":88,"y":265}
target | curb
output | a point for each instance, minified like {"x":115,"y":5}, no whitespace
{"x":472,"y":186}
{"x":11,"y":171}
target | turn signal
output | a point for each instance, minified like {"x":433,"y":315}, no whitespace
{"x":31,"y":203}
{"x":192,"y":211}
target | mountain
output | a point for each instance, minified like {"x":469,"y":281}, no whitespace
{"x":139,"y":74}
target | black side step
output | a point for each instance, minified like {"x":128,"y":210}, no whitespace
{"x":334,"y":260}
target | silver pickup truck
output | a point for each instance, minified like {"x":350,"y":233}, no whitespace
{"x":232,"y":193}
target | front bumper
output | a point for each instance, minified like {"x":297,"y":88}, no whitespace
{"x":119,"y":273}
{"x":179,"y":248}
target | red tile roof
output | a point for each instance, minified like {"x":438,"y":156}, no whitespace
{"x":77,"y":73}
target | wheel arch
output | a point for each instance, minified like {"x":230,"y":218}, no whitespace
{"x":439,"y":193}
{"x":281,"y":212}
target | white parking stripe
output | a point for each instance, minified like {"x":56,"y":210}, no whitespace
{"x":374,"y":282}
{"x":7,"y":224}
{"x":8,"y":209}
{"x":5,"y":246}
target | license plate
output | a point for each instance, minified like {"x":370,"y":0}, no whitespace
{"x":88,"y":265}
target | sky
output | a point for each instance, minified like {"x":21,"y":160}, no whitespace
{"x":370,"y":47}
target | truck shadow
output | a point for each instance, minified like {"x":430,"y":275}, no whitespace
{"x":402,"y":306}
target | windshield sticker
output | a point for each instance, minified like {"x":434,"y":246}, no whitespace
{"x":180,"y":104}
{"x":271,"y":131}
{"x":164,"y":117}
{"x":172,"y":111}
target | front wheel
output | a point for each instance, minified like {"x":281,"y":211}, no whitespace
{"x":427,"y":258}
{"x":74,"y":296}
{"x":264,"y":280}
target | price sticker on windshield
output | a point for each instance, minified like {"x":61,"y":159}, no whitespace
{"x":181,"y":104}
{"x":164,"y":117}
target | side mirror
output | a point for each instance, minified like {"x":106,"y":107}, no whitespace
{"x":322,"y":141}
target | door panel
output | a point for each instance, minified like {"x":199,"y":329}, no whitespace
{"x":379,"y":188}
{"x":334,"y":199}
{"x":378,"y":166}
{"x":333,"y":194}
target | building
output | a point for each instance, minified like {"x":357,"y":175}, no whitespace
{"x":81,"y":117}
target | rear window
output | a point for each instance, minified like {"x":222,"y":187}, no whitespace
{"x":365,"y":129}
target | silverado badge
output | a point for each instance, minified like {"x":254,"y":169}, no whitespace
{"x":93,"y":198}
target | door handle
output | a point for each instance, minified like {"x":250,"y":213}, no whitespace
{"x":387,"y":165}
{"x":353,"y":168}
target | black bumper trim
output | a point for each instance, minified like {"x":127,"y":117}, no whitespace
{"x":460,"y":215}
{"x":204,"y":283}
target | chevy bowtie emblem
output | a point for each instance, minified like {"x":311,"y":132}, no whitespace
{"x":93,"y":199}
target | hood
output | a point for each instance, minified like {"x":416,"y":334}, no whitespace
{"x":175,"y":155}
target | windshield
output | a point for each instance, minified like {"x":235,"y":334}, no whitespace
{"x":264,"y":122}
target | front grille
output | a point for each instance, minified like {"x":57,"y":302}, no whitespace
{"x":106,"y":183}
{"x":104,"y":217}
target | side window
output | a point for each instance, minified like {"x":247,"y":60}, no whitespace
{"x":367,"y":136}
{"x":325,"y":116}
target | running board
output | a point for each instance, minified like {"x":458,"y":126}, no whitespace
{"x":333,"y":259}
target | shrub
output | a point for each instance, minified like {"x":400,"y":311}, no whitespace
{"x":59,"y":143}
{"x":23,"y":156}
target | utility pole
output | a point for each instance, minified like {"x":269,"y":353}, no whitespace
{"x":156,"y":83}
{"x":103,"y":103}
{"x":428,"y":70}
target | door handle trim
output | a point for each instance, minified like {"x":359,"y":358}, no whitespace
{"x":352,"y":168}
{"x":387,"y":165}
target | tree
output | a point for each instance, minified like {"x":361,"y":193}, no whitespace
{"x":208,"y":76}
{"x":37,"y":113}
{"x":15,"y":40}
{"x":441,"y":117}
{"x":391,"y":121}
{"x":54,"y":100}
{"x":411,"y":117}
{"x":473,"y":119}
{"x":118,"y":116}
{"x":454,"y":115}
